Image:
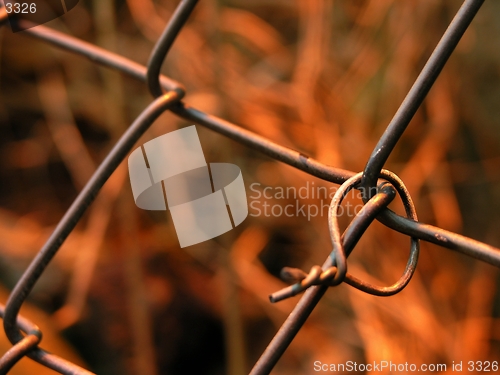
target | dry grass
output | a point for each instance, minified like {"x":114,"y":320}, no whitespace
{"x":322,"y":77}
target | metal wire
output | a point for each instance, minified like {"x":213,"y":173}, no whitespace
{"x":286,"y":155}
{"x":313,"y":294}
{"x":19,"y":350}
{"x":163,"y":45}
{"x":419,"y":91}
{"x":70,"y":219}
{"x":342,"y":246}
{"x":339,"y":248}
{"x":168,"y":97}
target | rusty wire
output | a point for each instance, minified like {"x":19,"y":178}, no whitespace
{"x":168,"y":96}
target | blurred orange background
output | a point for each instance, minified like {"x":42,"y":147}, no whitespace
{"x":322,"y":77}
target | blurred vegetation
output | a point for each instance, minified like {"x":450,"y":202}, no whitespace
{"x":321,"y":77}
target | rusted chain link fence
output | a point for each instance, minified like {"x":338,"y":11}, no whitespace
{"x":378,"y":187}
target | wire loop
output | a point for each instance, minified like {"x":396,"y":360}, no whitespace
{"x":343,"y":245}
{"x":411,"y":265}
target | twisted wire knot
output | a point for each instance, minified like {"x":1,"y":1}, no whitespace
{"x":334,"y":271}
{"x":302,"y":280}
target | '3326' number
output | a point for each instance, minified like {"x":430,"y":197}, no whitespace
{"x":20,"y":8}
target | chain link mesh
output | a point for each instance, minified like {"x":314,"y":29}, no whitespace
{"x":26,"y":336}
